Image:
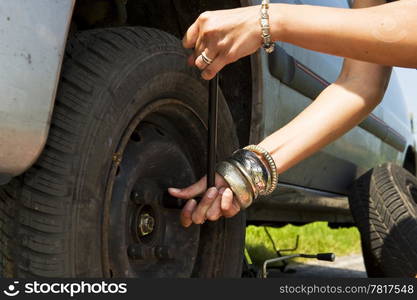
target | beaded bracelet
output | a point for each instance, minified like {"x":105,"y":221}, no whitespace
{"x":271,"y":164}
{"x":268,"y":45}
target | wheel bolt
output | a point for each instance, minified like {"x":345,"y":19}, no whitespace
{"x":135,"y":196}
{"x":143,"y":196}
{"x":147,"y":191}
{"x":164,"y":252}
{"x":138,"y":251}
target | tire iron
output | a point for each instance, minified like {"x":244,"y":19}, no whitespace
{"x":212,"y":130}
{"x":213,"y":106}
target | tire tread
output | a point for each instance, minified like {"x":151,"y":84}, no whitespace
{"x":385,"y":221}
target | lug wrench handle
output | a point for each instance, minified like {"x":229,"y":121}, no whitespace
{"x":213,"y":107}
{"x":212,"y":130}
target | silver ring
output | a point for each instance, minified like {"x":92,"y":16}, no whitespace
{"x":206,"y":59}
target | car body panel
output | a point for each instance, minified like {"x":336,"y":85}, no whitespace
{"x":300,"y":205}
{"x":32,"y":37}
{"x":335,"y":167}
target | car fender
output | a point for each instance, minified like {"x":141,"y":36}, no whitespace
{"x":33,"y":36}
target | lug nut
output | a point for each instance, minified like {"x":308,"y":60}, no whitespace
{"x":147,"y":191}
{"x":143,"y":197}
{"x":146,"y":224}
{"x":138,"y":251}
{"x":164,"y":252}
{"x":135,"y":196}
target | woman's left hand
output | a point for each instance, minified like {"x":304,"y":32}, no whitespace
{"x":216,"y":202}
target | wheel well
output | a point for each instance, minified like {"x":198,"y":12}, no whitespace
{"x":174,"y":17}
{"x":410,"y":161}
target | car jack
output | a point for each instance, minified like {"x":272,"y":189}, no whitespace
{"x":252,"y":271}
{"x":319,"y":256}
{"x":283,"y":267}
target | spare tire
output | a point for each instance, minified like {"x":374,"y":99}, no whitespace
{"x":384,"y":206}
{"x":130,"y":120}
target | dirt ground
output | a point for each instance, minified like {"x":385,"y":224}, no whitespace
{"x":347,"y":266}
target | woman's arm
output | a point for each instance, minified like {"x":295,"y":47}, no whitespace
{"x":340,"y":107}
{"x":383,"y":34}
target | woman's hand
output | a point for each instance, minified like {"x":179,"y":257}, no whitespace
{"x":217,"y":201}
{"x":224,"y":36}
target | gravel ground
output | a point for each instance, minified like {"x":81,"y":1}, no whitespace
{"x":347,"y":266}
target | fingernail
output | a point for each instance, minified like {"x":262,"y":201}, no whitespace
{"x":228,"y":190}
{"x":174,"y":190}
{"x":205,"y":76}
{"x":195,"y":221}
{"x":203,"y":221}
{"x":186,"y":225}
{"x":212,"y":192}
{"x":194,"y":203}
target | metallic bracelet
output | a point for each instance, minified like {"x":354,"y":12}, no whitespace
{"x":247,"y":175}
{"x":271,"y":166}
{"x":268,"y":44}
{"x":239,"y":185}
{"x":254,"y":170}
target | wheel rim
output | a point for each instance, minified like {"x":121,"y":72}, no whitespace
{"x":145,"y":238}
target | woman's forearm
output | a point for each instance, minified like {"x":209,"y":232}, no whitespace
{"x":384,"y":34}
{"x":337,"y":110}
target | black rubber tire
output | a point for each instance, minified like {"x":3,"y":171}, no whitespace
{"x":384,"y":206}
{"x":52,"y":216}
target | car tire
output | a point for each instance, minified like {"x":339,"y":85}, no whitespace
{"x":384,"y":206}
{"x":130,"y":120}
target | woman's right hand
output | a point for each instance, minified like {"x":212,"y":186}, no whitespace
{"x":216,"y":202}
{"x":225,"y":36}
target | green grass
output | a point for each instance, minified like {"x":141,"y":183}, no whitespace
{"x":314,"y":238}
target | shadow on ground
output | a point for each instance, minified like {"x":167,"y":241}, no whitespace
{"x":316,"y":271}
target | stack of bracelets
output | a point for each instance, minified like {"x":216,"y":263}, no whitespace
{"x":249,"y":176}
